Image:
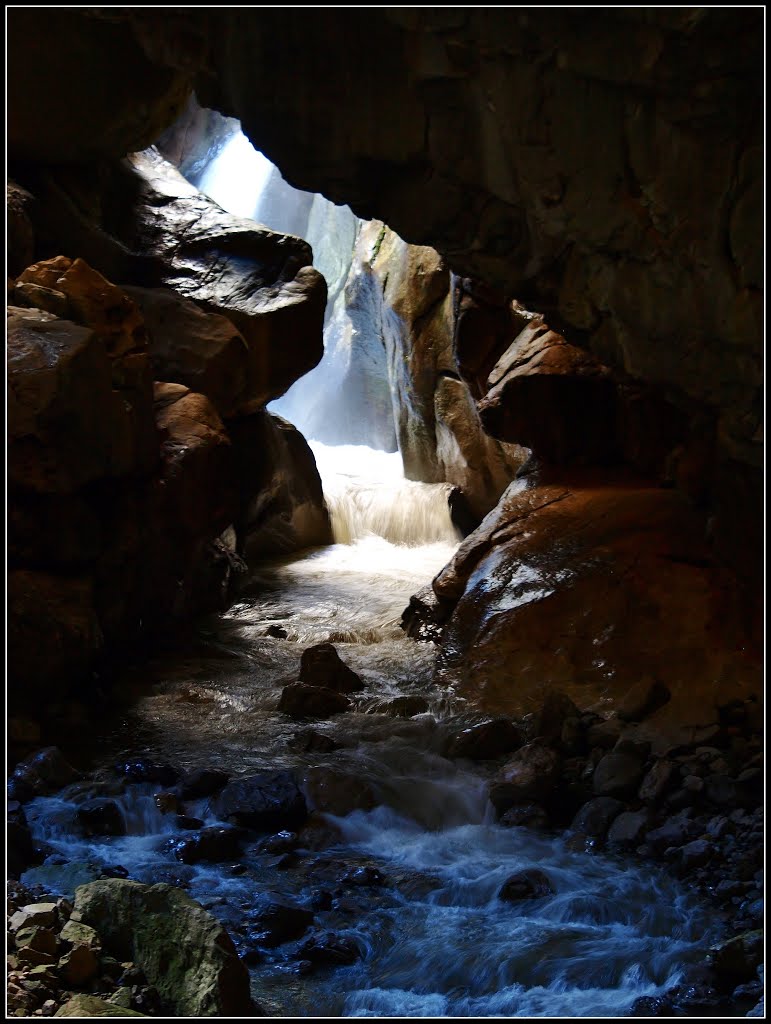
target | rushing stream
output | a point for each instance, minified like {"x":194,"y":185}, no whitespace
{"x":433,"y":936}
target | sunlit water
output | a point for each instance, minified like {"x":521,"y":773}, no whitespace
{"x":435,"y":939}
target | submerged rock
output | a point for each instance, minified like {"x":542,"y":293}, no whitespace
{"x":184,"y":952}
{"x":526,"y":885}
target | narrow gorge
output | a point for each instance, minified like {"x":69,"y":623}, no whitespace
{"x":385,"y":511}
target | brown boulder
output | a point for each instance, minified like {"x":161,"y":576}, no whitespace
{"x":67,"y":426}
{"x":20,"y":237}
{"x":189,"y":346}
{"x":321,"y":665}
{"x":485,"y":741}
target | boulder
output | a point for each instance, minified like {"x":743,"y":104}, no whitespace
{"x":337,"y":792}
{"x":20,"y":853}
{"x":642,"y":700}
{"x":262,"y":802}
{"x":214,"y":844}
{"x":184,"y":952}
{"x":657,"y":780}
{"x":618,"y":774}
{"x":628,"y":829}
{"x":330,"y":949}
{"x":526,"y":885}
{"x":525,"y":815}
{"x":530,"y":775}
{"x":321,"y":665}
{"x":202,"y":782}
{"x":299,"y":700}
{"x":44,"y":772}
{"x":150,"y":771}
{"x":556,"y":709}
{"x":20,"y":238}
{"x":485,"y":741}
{"x":82,"y":1005}
{"x":101,"y":817}
{"x":596,"y":816}
{"x":738,"y":959}
{"x":189,"y":346}
{"x":280,"y":921}
{"x":406,"y":706}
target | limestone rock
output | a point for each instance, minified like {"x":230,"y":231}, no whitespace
{"x":184,"y":952}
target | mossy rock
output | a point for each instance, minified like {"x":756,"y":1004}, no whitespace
{"x":184,"y":951}
{"x":92,"y":1006}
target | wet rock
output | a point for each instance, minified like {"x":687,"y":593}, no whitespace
{"x":187,"y":823}
{"x":526,"y":885}
{"x":100,"y":817}
{"x":167,"y":803}
{"x":657,"y":781}
{"x":262,"y":802}
{"x":618,"y":774}
{"x":299,"y":700}
{"x":363,"y":876}
{"x":281,"y":921}
{"x":406,"y":706}
{"x":311,"y":742}
{"x":43,"y":773}
{"x":319,"y":833}
{"x":185,"y":953}
{"x":330,"y":949}
{"x":525,"y":815}
{"x":642,"y":700}
{"x":215,"y":844}
{"x":281,"y":842}
{"x":530,"y":775}
{"x":150,"y":771}
{"x":321,"y":666}
{"x":278,"y":632}
{"x":628,"y":829}
{"x":486,"y":741}
{"x":696,"y":853}
{"x":595,"y":817}
{"x":738,"y":959}
{"x":337,"y":792}
{"x":549,"y":721}
{"x":202,"y":782}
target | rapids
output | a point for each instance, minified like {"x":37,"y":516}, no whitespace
{"x":434,"y":938}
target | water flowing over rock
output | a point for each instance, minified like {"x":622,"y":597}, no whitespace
{"x":182,"y":949}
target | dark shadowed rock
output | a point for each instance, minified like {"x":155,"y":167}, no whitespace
{"x":657,"y":781}
{"x":202,"y":782}
{"x":330,"y":949}
{"x":280,"y":921}
{"x":406,"y":706}
{"x":44,"y":772}
{"x":262,"y":802}
{"x":486,"y":741}
{"x":550,"y":719}
{"x":321,"y":665}
{"x":525,"y":815}
{"x":595,"y":817}
{"x":337,"y":792}
{"x":628,"y":828}
{"x":150,"y":771}
{"x":215,"y":844}
{"x":309,"y":741}
{"x":530,"y":775}
{"x":526,"y":885}
{"x":299,"y":700}
{"x":642,"y":700}
{"x":99,"y":817}
{"x":618,"y":774}
{"x":737,"y":960}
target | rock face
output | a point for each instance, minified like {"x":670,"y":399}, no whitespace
{"x":617,"y":571}
{"x":182,"y":949}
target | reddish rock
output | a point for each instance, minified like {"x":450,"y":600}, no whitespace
{"x":485,"y":741}
{"x":20,"y":238}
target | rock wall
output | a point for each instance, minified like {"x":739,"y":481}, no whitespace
{"x":142,"y":465}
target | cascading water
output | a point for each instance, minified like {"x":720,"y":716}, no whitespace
{"x":434,"y":938}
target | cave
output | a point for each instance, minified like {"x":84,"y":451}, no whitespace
{"x":385,"y":511}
